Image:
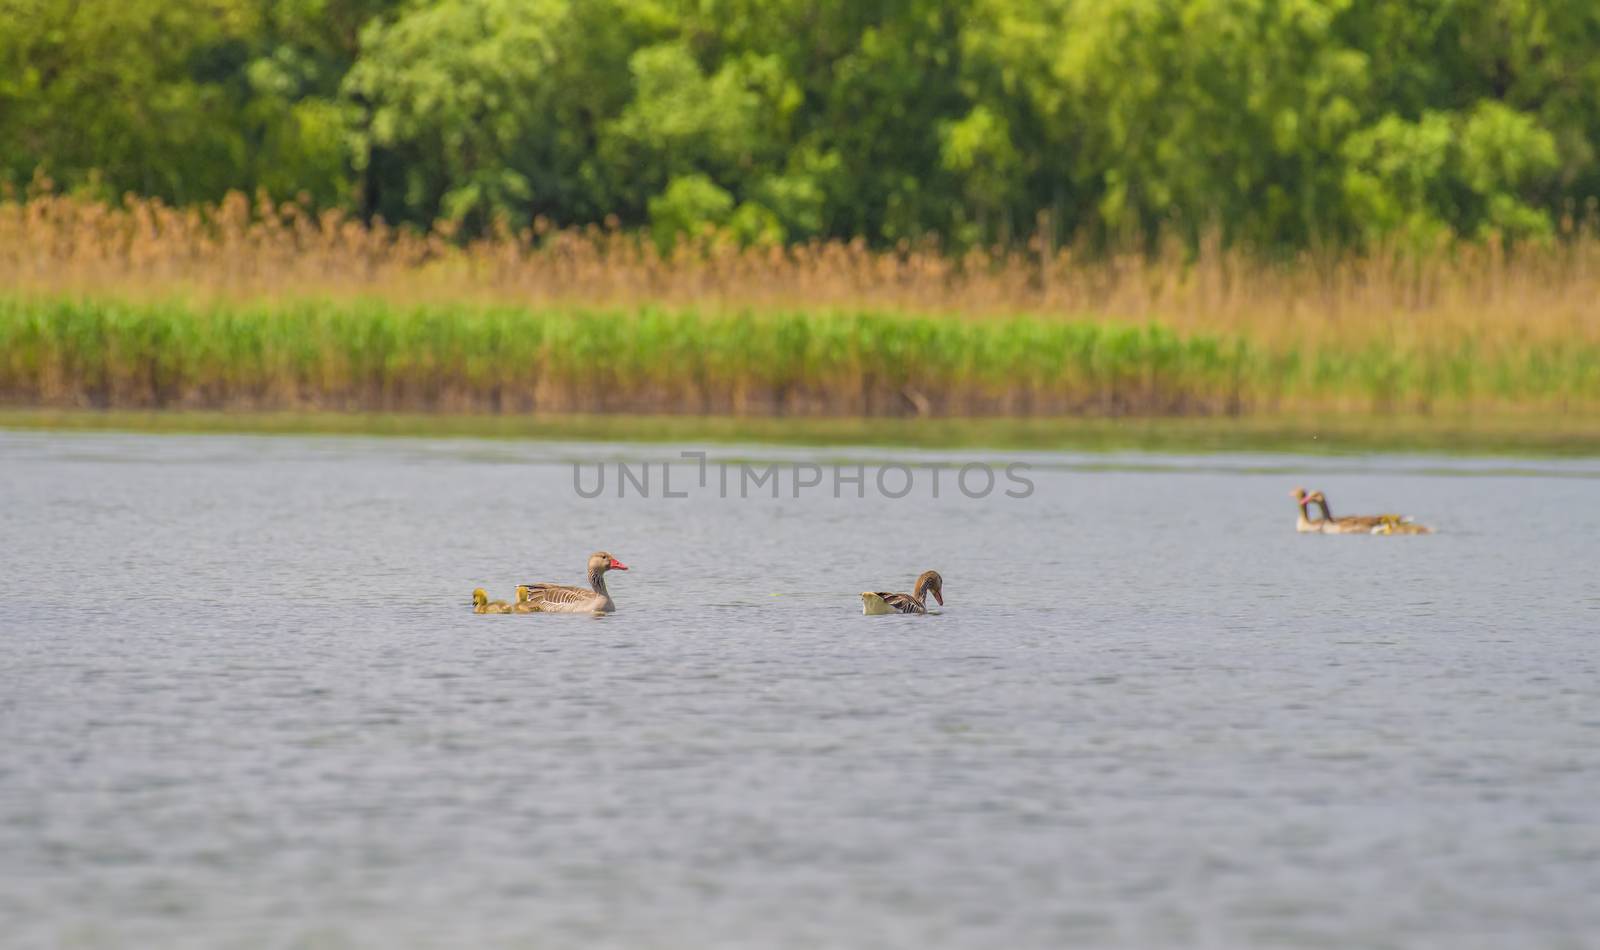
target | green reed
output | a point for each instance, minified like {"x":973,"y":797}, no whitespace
{"x":377,"y":355}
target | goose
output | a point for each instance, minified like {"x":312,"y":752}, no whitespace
{"x":563,"y":599}
{"x":912,"y":603}
{"x":1303,"y":523}
{"x":1357,"y":524}
{"x":481,"y":604}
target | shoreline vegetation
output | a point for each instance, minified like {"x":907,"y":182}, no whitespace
{"x":269,"y":307}
{"x":1488,"y":434}
{"x":376,"y":356}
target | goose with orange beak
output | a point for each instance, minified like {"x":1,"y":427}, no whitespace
{"x":550,"y":598}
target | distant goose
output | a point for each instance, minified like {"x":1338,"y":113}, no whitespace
{"x":1362,"y":524}
{"x":912,"y":603}
{"x":1304,"y":524}
{"x":563,"y":599}
{"x":481,"y":604}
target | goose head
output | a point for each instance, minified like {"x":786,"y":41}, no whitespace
{"x":1306,"y":498}
{"x":479,"y":597}
{"x":523,"y":591}
{"x":601,"y":561}
{"x":929,"y":582}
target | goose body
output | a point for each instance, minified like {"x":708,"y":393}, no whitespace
{"x":1364,"y":524}
{"x":874,"y":603}
{"x":550,"y":598}
{"x":481,"y":604}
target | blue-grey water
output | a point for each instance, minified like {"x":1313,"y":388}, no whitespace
{"x":243,"y":702}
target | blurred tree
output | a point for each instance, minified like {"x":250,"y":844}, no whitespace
{"x":121,"y":95}
{"x":1188,"y":113}
{"x":1280,"y":123}
{"x":1450,"y":173}
{"x":473,"y":109}
{"x":182,"y":100}
{"x":290,"y":97}
{"x":689,"y":205}
{"x":729,"y":126}
{"x":978,"y":150}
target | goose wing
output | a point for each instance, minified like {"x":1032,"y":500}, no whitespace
{"x":902,"y":603}
{"x":560,"y":594}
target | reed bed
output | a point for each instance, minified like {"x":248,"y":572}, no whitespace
{"x":377,"y":356}
{"x":270,"y":305}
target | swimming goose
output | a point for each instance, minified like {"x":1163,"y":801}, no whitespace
{"x":563,"y":599}
{"x":481,"y":604}
{"x":912,"y":603}
{"x":1303,"y":523}
{"x":1357,"y":524}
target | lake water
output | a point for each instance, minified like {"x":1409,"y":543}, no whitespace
{"x":243,"y":702}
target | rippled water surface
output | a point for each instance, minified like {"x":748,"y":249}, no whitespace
{"x":243,"y":703}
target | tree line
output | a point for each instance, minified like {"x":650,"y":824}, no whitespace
{"x":1282,"y":124}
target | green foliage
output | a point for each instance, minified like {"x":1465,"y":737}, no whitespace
{"x":1283,"y":123}
{"x":177,"y":99}
{"x":688,"y":206}
{"x":1446,"y":172}
{"x":978,"y":149}
{"x":453,"y":89}
{"x":378,"y":356}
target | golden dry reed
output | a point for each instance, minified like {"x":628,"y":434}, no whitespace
{"x":1032,"y":329}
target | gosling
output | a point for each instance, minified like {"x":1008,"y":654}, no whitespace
{"x":481,"y":604}
{"x":525,"y":603}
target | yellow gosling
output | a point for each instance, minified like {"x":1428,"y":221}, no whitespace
{"x":1402,"y":527}
{"x":525,"y":603}
{"x":481,"y":604}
